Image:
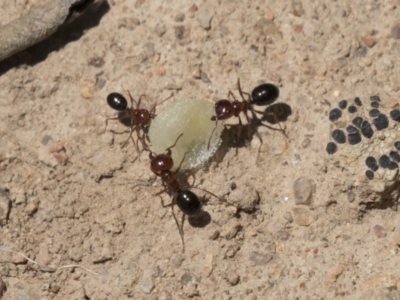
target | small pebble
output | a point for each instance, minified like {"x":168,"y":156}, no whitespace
{"x":393,"y":165}
{"x":204,"y":19}
{"x":306,"y":143}
{"x":339,"y":136}
{"x":379,"y":231}
{"x":146,"y":284}
{"x":259,"y":258}
{"x":230,"y":229}
{"x":180,"y":17}
{"x":302,"y":191}
{"x":5,"y":206}
{"x":185,"y":279}
{"x":31,"y":208}
{"x":397,"y":145}
{"x":395,"y":31}
{"x":288,"y":216}
{"x":232,"y":278}
{"x":302,"y":215}
{"x":331,"y":148}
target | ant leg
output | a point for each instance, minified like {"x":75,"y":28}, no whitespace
{"x":276,"y":121}
{"x":233,"y":96}
{"x":209,"y":140}
{"x":132,"y":100}
{"x":219,"y":198}
{"x":153,"y":109}
{"x":180,"y":227}
{"x":130,"y":137}
{"x":176,"y":141}
{"x":140,"y":99}
{"x":180,"y":165}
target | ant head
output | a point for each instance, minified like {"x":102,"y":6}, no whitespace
{"x":161,"y":162}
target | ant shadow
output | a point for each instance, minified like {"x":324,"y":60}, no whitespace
{"x":91,"y":14}
{"x":239,"y":136}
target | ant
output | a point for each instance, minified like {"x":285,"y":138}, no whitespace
{"x":138,"y":118}
{"x":187,"y":201}
{"x":264,"y":94}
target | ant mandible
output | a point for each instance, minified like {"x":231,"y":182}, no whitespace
{"x":264,"y":94}
{"x":139,"y":118}
{"x":187,"y":201}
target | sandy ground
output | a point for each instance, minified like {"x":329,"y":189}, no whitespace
{"x":68,"y":197}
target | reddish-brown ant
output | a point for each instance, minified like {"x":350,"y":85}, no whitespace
{"x":264,"y":94}
{"x":139,"y":118}
{"x":187,"y":201}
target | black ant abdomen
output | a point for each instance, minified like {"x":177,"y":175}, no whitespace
{"x":264,"y":94}
{"x":117,"y":101}
{"x":188,"y":202}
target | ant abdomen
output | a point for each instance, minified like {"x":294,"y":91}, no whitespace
{"x":264,"y":94}
{"x":188,"y":202}
{"x":117,"y":101}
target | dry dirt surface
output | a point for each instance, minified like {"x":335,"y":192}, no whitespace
{"x":311,"y":225}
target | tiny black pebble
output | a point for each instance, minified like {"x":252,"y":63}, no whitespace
{"x":393,"y":165}
{"x":397,"y":145}
{"x":371,"y":163}
{"x":375,"y":98}
{"x":366,"y":129}
{"x":339,"y":136}
{"x":357,"y":121}
{"x":373,"y":113}
{"x":369,"y":174}
{"x":354,"y":138}
{"x":381,"y":122}
{"x":342,"y":104}
{"x":331,"y":148}
{"x":374,"y":104}
{"x":395,"y":155}
{"x":335,"y":114}
{"x":384,"y":161}
{"x":352,"y":109}
{"x":395,"y":115}
{"x":351,"y":129}
{"x":357,"y":101}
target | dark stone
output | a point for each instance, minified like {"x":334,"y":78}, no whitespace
{"x":384,"y":161}
{"x":335,"y":114}
{"x":357,"y":101}
{"x":381,"y":122}
{"x":375,"y":98}
{"x":371,"y":163}
{"x":339,"y":136}
{"x":342,"y":104}
{"x":354,"y":138}
{"x":366,"y":129}
{"x":395,"y":115}
{"x":352,"y":109}
{"x":374,"y":104}
{"x":397,"y":145}
{"x":351,"y":129}
{"x":331,"y":148}
{"x":393,"y":165}
{"x":373,"y":113}
{"x":369,"y":174}
{"x":357,"y":121}
{"x":394,"y":155}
